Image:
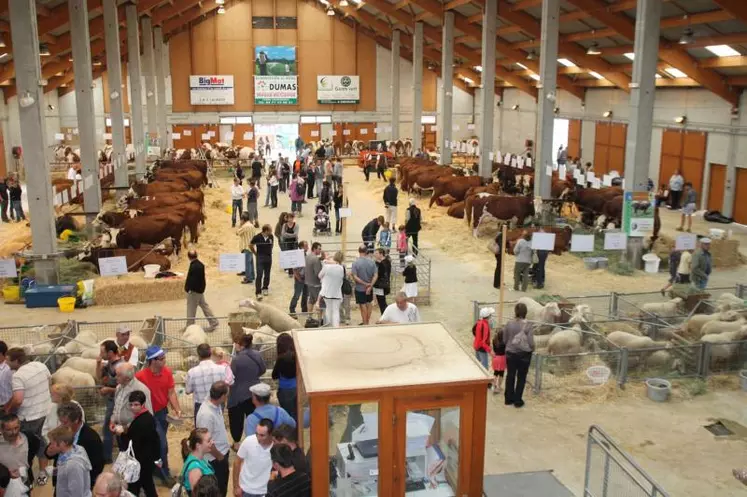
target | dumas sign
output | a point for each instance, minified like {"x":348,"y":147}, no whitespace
{"x":211,"y":90}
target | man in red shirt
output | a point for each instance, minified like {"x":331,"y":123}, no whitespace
{"x":159,"y":380}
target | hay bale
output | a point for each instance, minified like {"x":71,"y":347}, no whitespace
{"x":118,"y":292}
{"x":725,"y":253}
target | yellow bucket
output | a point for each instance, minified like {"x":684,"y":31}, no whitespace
{"x":66,"y":304}
{"x":11,"y":293}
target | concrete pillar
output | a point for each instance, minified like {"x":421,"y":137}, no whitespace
{"x":116,"y":96}
{"x":446,"y":121}
{"x":727,"y":206}
{"x":136,"y":89}
{"x":395,"y":84}
{"x":487,"y":95}
{"x":417,"y":87}
{"x":163,"y":136}
{"x":149,"y":71}
{"x":84,"y":107}
{"x":25,"y":37}
{"x":642,"y":93}
{"x":547,"y":95}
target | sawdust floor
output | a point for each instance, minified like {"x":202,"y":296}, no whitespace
{"x":667,"y":439}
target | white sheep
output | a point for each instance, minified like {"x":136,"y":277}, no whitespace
{"x":663,"y":309}
{"x":81,"y":341}
{"x":73,"y":377}
{"x":715,"y":327}
{"x":540,"y":313}
{"x":721,"y":351}
{"x":565,"y":341}
{"x":179,"y":376}
{"x":696,"y":322}
{"x":582,"y":313}
{"x":82,"y":364}
{"x":195,"y":335}
{"x":276,"y":318}
{"x":627,"y":340}
{"x":729,"y":301}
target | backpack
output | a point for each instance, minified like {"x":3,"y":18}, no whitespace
{"x":521,"y":339}
{"x":300,"y":188}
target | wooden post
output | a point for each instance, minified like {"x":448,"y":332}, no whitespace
{"x":502,"y":285}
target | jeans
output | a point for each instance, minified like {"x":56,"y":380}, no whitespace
{"x":674,"y":197}
{"x":235,"y":211}
{"x":263,"y":275}
{"x":332,"y":312}
{"x":539,"y":273}
{"x":274,"y":195}
{"x":319,"y":185}
{"x":296,"y":207}
{"x":248,"y":265}
{"x":367,"y":172}
{"x":17,"y":207}
{"x":299,"y":290}
{"x":107,"y":438}
{"x":521,"y":276}
{"x":700,"y":284}
{"x":517,"y":364}
{"x":196,"y":408}
{"x":338,"y":221}
{"x":221,"y":472}
{"x":288,"y":401}
{"x":345,"y":310}
{"x":162,"y":426}
{"x":236,"y":416}
{"x":310,"y":189}
{"x":4,"y":210}
{"x":482,"y":356}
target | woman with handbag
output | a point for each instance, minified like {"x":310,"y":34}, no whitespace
{"x":382,"y":285}
{"x":195,"y":466}
{"x":519,"y":339}
{"x":332,"y":276}
{"x":145,"y":442}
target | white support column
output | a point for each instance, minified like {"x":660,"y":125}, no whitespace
{"x":163,"y":135}
{"x":136,"y":89}
{"x":417,"y":87}
{"x":84,"y":107}
{"x":642,"y":95}
{"x":487,"y":95}
{"x":149,"y":71}
{"x":546,"y":96}
{"x":116,"y":96}
{"x":395,"y":84}
{"x":25,"y":36}
{"x":727,"y":206}
{"x":445,"y":122}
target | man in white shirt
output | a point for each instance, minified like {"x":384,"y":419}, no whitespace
{"x":400,"y":312}
{"x":202,"y":377}
{"x":6,"y":377}
{"x":122,"y":415}
{"x":127,"y":351}
{"x":251,"y":469}
{"x":210,"y":416}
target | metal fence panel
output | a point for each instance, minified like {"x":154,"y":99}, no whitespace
{"x":19,"y":336}
{"x":570,"y":371}
{"x":682,"y":361}
{"x":610,"y":471}
{"x":107,"y":330}
{"x":727,"y":357}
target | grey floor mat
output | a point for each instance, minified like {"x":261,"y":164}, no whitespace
{"x":531,"y":484}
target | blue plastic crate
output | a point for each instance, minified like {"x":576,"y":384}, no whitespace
{"x":47,"y":295}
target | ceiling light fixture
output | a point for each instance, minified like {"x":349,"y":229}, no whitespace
{"x":675,"y":73}
{"x":26,"y":100}
{"x":680,"y":119}
{"x":566,"y":63}
{"x":531,"y":55}
{"x":522,"y":66}
{"x":2,"y":43}
{"x":330,"y":11}
{"x":221,"y":10}
{"x":477,"y":68}
{"x":534,"y":77}
{"x":343,"y":3}
{"x":630,"y":55}
{"x":607,"y":113}
{"x":220,"y":2}
{"x":687,"y":37}
{"x":593,"y":49}
{"x":44,"y":50}
{"x":515,"y":107}
{"x":722,"y":50}
{"x":596,"y":74}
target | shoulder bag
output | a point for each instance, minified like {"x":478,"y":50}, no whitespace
{"x":520,"y":341}
{"x":347,"y":288}
{"x":127,"y":466}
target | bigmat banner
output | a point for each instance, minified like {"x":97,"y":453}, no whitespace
{"x":338,"y":89}
{"x":211,"y":90}
{"x":275,"y":75}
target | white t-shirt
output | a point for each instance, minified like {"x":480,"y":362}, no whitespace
{"x":33,"y":379}
{"x":255,"y":470}
{"x":71,"y":173}
{"x":393,"y":314}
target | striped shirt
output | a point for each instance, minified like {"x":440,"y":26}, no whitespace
{"x":295,"y":484}
{"x":6,"y":383}
{"x":201,"y":377}
{"x":122,"y":414}
{"x":245,"y":233}
{"x":33,"y":380}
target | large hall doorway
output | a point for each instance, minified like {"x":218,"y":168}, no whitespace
{"x":276,"y":139}
{"x":559,"y":137}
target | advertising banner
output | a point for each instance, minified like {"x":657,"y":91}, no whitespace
{"x":275,"y":75}
{"x":338,"y":89}
{"x":638,"y":213}
{"x":211,"y":90}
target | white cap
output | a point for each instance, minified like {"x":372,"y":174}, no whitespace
{"x":409,"y":259}
{"x":705,"y":240}
{"x":261,"y":390}
{"x":486,"y":312}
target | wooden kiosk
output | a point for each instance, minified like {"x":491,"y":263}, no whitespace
{"x":394,"y":410}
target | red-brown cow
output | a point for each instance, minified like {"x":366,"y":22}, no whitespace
{"x":456,"y":210}
{"x":562,"y":238}
{"x":148,"y":229}
{"x":149,"y":189}
{"x":502,"y":208}
{"x":167,"y":199}
{"x":136,"y":259}
{"x":195,"y":179}
{"x":455,"y":186}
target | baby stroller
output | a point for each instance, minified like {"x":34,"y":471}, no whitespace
{"x":322,"y":225}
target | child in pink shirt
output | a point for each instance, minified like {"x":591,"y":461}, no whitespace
{"x":402,"y":244}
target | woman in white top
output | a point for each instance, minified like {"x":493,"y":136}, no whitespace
{"x":683,"y":269}
{"x":331,"y":276}
{"x":237,"y":196}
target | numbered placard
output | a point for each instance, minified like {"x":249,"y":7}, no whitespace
{"x":346,"y":212}
{"x":232,"y":263}
{"x":582,"y":243}
{"x":543,"y":241}
{"x":8,"y":268}
{"x":615,"y":241}
{"x":113,"y":266}
{"x":686,"y":241}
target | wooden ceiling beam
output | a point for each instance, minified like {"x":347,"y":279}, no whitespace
{"x":669,"y":53}
{"x":737,"y":8}
{"x":453,"y":4}
{"x":738,"y":81}
{"x":716,"y":62}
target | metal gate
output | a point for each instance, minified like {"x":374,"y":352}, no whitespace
{"x":610,"y":472}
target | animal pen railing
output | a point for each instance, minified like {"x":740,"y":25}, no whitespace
{"x":611,"y":472}
{"x":623,"y":312}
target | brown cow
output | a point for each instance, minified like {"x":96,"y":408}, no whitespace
{"x":150,"y":189}
{"x":590,"y":201}
{"x":455,"y":186}
{"x":425,"y":178}
{"x":502,"y":208}
{"x":474,"y":192}
{"x":199,"y":165}
{"x":562,"y":238}
{"x":456,"y":210}
{"x":148,"y":229}
{"x":136,"y":259}
{"x":195,"y":179}
{"x":189,"y":211}
{"x":166,"y":199}
{"x":611,"y":212}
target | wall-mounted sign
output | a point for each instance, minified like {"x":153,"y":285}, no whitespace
{"x":211,"y":90}
{"x":338,"y":89}
{"x":275,"y":75}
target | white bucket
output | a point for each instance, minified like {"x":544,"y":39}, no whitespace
{"x":151,"y":270}
{"x":716,"y":233}
{"x":652,"y":262}
{"x":598,"y":375}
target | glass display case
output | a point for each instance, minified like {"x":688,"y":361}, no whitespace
{"x":398,"y":410}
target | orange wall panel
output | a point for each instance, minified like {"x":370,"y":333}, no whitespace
{"x":235,"y":57}
{"x":236,"y":23}
{"x":204,"y":53}
{"x":180,"y":57}
{"x":740,"y":208}
{"x":366,"y":54}
{"x":262,"y":8}
{"x":430,"y":90}
{"x":313,"y":59}
{"x":716,"y":187}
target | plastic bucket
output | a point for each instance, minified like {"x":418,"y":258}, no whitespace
{"x":66,"y":304}
{"x":658,"y":389}
{"x":716,"y":233}
{"x":602,"y":262}
{"x":590,"y":262}
{"x":12,"y":293}
{"x":651,"y":262}
{"x":598,"y":375}
{"x":151,"y":270}
{"x":743,"y":379}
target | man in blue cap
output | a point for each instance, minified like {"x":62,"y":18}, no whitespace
{"x":159,"y":380}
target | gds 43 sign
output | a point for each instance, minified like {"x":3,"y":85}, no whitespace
{"x":338,"y":89}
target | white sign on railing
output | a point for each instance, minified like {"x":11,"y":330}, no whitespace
{"x":615,"y":241}
{"x":187,"y":132}
{"x":582,"y":243}
{"x":346,"y":212}
{"x":543,"y":241}
{"x":113,"y":266}
{"x":686,"y":242}
{"x":290,"y":259}
{"x":8,"y":268}
{"x":232,"y":263}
